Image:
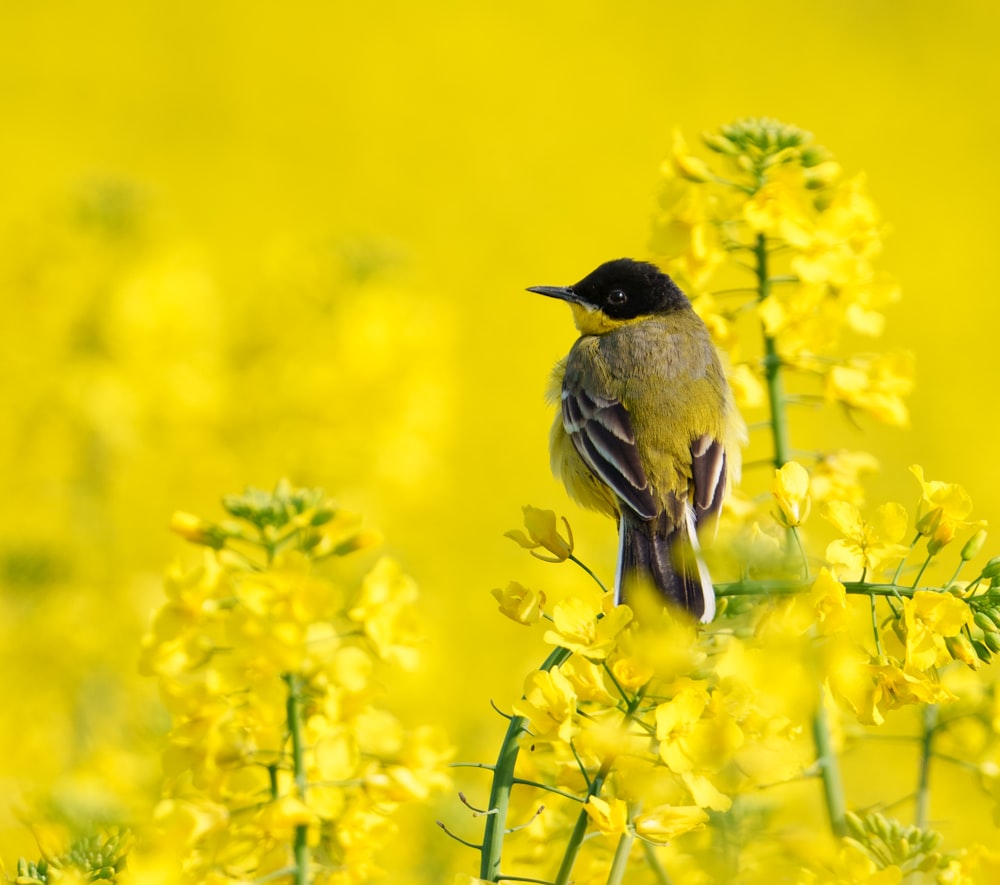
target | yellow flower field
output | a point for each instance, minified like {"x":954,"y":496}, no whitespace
{"x":244,"y":244}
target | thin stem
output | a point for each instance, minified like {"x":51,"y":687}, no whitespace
{"x":802,"y":552}
{"x":617,"y":874}
{"x":930,"y":719}
{"x":875,"y":633}
{"x":600,"y":583}
{"x":783,"y":587}
{"x":902,"y":562}
{"x":923,"y":568}
{"x":829,"y":768}
{"x":580,"y":828}
{"x":503,"y":781}
{"x":656,"y":865}
{"x":772,"y":364}
{"x":293,"y":708}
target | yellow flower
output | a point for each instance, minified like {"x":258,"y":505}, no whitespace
{"x":838,"y":474}
{"x":780,"y":207}
{"x":866,"y":547}
{"x":386,"y":610}
{"x":942,"y":510}
{"x":577,"y":627}
{"x":631,"y":672}
{"x":542,"y":532}
{"x":791,"y":490}
{"x":588,"y":679}
{"x":519,"y":603}
{"x":929,"y":618}
{"x":667,"y":822}
{"x":611,"y":818}
{"x":874,"y":385}
{"x":823,"y":608}
{"x":689,"y":739}
{"x":874,"y":686}
{"x":549,"y":703}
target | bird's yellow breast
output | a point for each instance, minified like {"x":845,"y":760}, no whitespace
{"x":666,"y":373}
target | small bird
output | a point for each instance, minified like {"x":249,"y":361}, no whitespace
{"x":647,"y":431}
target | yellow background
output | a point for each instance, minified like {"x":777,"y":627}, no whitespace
{"x":241,"y":241}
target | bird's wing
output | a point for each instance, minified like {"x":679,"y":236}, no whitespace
{"x":601,"y":431}
{"x":708,"y":476}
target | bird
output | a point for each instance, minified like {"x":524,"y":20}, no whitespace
{"x":646,"y":429}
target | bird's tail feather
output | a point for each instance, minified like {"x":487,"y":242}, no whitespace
{"x":668,"y":556}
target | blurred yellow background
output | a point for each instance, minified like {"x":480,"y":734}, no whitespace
{"x":240,"y":242}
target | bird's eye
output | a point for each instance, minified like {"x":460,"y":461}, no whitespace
{"x":617,"y":297}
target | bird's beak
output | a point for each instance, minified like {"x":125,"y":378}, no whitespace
{"x":564,"y":293}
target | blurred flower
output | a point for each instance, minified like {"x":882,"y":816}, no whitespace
{"x":610,"y":817}
{"x":874,"y":385}
{"x":667,"y":822}
{"x":930,"y":617}
{"x":791,"y":490}
{"x":582,"y":627}
{"x":838,"y":475}
{"x":549,"y":703}
{"x":866,"y":547}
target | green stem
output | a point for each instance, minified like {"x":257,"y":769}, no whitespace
{"x":598,"y":581}
{"x":829,"y":768}
{"x":784,"y":587}
{"x":617,"y":874}
{"x":580,"y":828}
{"x":902,"y":562}
{"x":875,"y":633}
{"x":772,"y":364}
{"x":503,"y":781}
{"x":930,"y":718}
{"x":293,"y":709}
{"x":656,"y":865}
{"x":923,"y":568}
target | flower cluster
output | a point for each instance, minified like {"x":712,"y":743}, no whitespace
{"x":280,"y":762}
{"x":98,"y":858}
{"x":769,"y":192}
{"x":652,"y":750}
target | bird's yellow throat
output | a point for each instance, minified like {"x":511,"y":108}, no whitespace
{"x":591,"y":321}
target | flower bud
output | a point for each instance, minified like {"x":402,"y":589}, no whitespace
{"x":720,"y":144}
{"x":974,"y":545}
{"x":992,"y":641}
{"x":929,"y":521}
{"x":962,"y":650}
{"x":196,"y":530}
{"x":693,"y":168}
{"x":992,"y":568}
{"x":982,"y":651}
{"x":984,"y":622}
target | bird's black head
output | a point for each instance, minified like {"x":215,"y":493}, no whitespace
{"x":622,"y":289}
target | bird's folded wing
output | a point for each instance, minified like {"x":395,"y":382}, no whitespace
{"x":602,"y":433}
{"x":708,"y":476}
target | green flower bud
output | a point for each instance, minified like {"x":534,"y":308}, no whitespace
{"x":720,"y":144}
{"x":992,"y":568}
{"x":984,"y":622}
{"x":882,"y":826}
{"x":985,"y":655}
{"x":855,"y":826}
{"x":974,"y":545}
{"x":962,"y":650}
{"x":992,"y":641}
